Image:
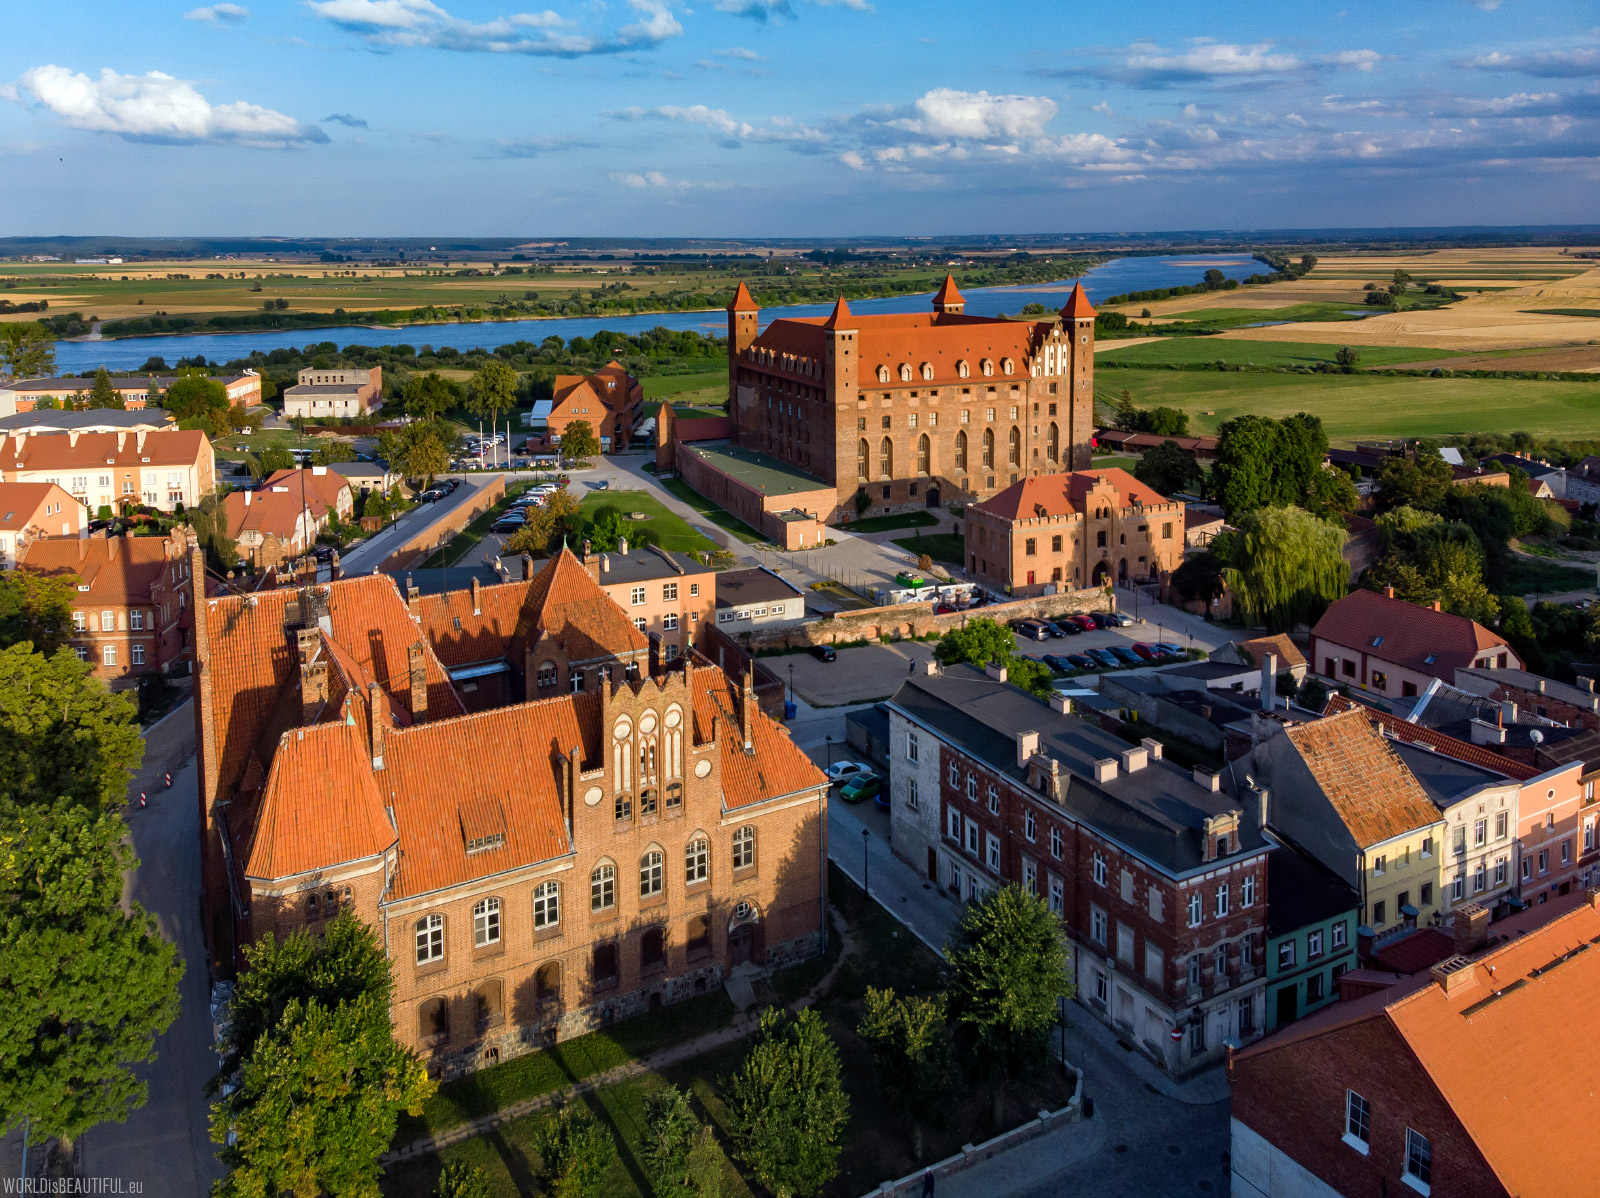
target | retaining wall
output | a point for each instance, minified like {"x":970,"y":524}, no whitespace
{"x":422,"y":543}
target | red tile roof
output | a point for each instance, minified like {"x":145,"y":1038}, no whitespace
{"x":947,"y":293}
{"x":117,"y":570}
{"x":776,"y":767}
{"x":20,"y":504}
{"x":66,"y":451}
{"x":1418,"y":734}
{"x":1418,"y":638}
{"x":1287,"y":651}
{"x":1065,"y":494}
{"x":564,"y":602}
{"x":325,"y":485}
{"x":741,"y":300}
{"x":839,"y":317}
{"x":1077,"y":306}
{"x":1420,"y":950}
{"x":1369,"y":787}
{"x":274,"y":513}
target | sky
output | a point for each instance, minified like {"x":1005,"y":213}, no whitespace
{"x":799,"y":118}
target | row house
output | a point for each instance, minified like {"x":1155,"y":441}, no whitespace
{"x":1158,"y":875}
{"x":1390,"y":649}
{"x":169,"y":469}
{"x":25,"y":395}
{"x":29,"y":511}
{"x":131,"y":612}
{"x":614,"y":833}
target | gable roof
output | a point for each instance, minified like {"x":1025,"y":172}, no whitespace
{"x":1421,"y":734}
{"x":1066,"y":494}
{"x":1287,"y":651}
{"x":67,"y":451}
{"x":271,"y":512}
{"x":117,"y":570}
{"x":20,"y":503}
{"x":324,"y":482}
{"x":1363,"y":779}
{"x":566,"y":603}
{"x":839,"y":317}
{"x":1418,"y":638}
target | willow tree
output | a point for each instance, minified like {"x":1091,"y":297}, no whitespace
{"x":1286,"y":566}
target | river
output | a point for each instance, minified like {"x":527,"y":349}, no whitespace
{"x":1114,"y":278}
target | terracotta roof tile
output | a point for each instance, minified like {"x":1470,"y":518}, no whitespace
{"x":461,"y":637}
{"x":1419,"y":638}
{"x":948,"y":293}
{"x":840,"y":317}
{"x":1065,"y":494}
{"x":1418,"y":734}
{"x":1370,"y":788}
{"x":566,"y":603}
{"x":63,"y":451}
{"x":325,"y":486}
{"x":20,"y":503}
{"x":1077,"y":306}
{"x":742,"y":301}
{"x":1288,"y":652}
{"x":117,"y":570}
{"x":776,"y":767}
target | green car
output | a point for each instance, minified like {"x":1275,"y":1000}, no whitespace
{"x":862,"y":786}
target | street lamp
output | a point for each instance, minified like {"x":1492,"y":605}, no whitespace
{"x":829,"y":739}
{"x":791,"y":682}
{"x":866,"y":837}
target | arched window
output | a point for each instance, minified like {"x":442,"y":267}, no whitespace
{"x":430,"y":939}
{"x":433,"y":1022}
{"x":924,"y":455}
{"x":546,"y":905}
{"x":603,"y":887}
{"x":1007,"y":366}
{"x":489,"y":998}
{"x":486,"y":923}
{"x":311,"y":905}
{"x":905,"y":372}
{"x":927,"y":370}
{"x":650,"y":873}
{"x":546,"y":675}
{"x":674,"y":738}
{"x":961,"y":450}
{"x":1052,"y":444}
{"x":1014,"y":445}
{"x":988,"y":367}
{"x":883,"y":374}
{"x":547,"y":983}
{"x":886,"y":459}
{"x":605,"y":963}
{"x":744,"y":848}
{"x":963,"y":369}
{"x":697,"y":860}
{"x":622,"y":757}
{"x":863,"y":458}
{"x":652,"y":949}
{"x":988,"y":448}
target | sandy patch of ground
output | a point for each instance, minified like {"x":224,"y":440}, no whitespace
{"x":1124,"y":343}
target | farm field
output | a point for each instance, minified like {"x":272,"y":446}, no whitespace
{"x":1193,"y":350}
{"x":1354,"y":406}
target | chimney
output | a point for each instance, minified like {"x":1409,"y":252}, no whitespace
{"x":747,"y":706}
{"x":1470,"y":927}
{"x":1027,"y":746}
{"x":477,"y":607}
{"x":1585,"y":683}
{"x":622,"y":546}
{"x":1134,"y":760}
{"x":1485,"y":733}
{"x":1388,"y":592}
{"x":1152,"y":747}
{"x":1539,"y":686}
{"x":378,"y":709}
{"x":585,"y":557}
{"x":247,"y":496}
{"x":1456,"y":973}
{"x":138,"y":441}
{"x":527,"y":568}
{"x":1206,"y":780}
{"x":1269,"y":681}
{"x":995,"y":671}
{"x":1263,"y":803}
{"x":605,"y":562}
{"x":414,"y":599}
{"x":931,"y":668}
{"x":1436,"y":606}
{"x":313,"y":674}
{"x":120,"y":437}
{"x":1105,"y":769}
{"x":419,"y":682}
{"x":72,"y":438}
{"x":1508,"y":711}
{"x":1060,"y":702}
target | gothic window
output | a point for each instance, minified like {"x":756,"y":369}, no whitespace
{"x":905,"y":372}
{"x":961,"y":450}
{"x":886,"y":459}
{"x":927,"y":370}
{"x":650,"y":868}
{"x":924,"y":455}
{"x":1052,"y":442}
{"x":962,"y":369}
{"x":603,"y":887}
{"x":863,"y":457}
{"x":988,"y":448}
{"x":988,"y":367}
{"x":1014,"y":446}
{"x":883,"y":374}
{"x":744,"y":848}
{"x":547,"y":983}
{"x":1007,"y":366}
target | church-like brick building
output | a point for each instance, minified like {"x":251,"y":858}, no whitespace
{"x":914,"y":409}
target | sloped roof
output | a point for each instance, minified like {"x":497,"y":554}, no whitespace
{"x":1420,"y":734}
{"x":275,"y":513}
{"x":324,"y":482}
{"x":1369,"y":787}
{"x":1077,"y":306}
{"x":460,"y":635}
{"x":20,"y":503}
{"x":1288,"y":652}
{"x":57,"y":451}
{"x":948,"y":292}
{"x":742,"y":301}
{"x":566,"y":603}
{"x":839,"y":317}
{"x":776,"y":767}
{"x":1065,"y":494}
{"x":117,"y":570}
{"x":1418,"y":638}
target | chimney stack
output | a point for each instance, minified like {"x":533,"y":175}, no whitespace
{"x":746,"y":707}
{"x":527,"y":568}
{"x":378,"y":712}
{"x":622,"y":546}
{"x":996,"y":671}
{"x":313,"y":674}
{"x":477,"y":606}
{"x":416,"y":664}
{"x":1027,"y":746}
{"x":1269,"y":681}
{"x":1206,"y":780}
{"x":1470,"y":928}
{"x":1388,"y":592}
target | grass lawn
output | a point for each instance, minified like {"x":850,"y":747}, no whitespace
{"x":1259,"y":353}
{"x":1526,"y":577}
{"x":674,"y":532}
{"x":1113,"y":461}
{"x":711,"y":512}
{"x":918,"y":519}
{"x":1367,"y":405}
{"x":945,"y":547}
{"x":660,"y":386}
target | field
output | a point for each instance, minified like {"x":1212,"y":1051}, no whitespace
{"x":674,"y":533}
{"x":1194,"y":350}
{"x":1362,"y":405}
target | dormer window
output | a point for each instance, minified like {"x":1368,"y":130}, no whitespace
{"x":883,"y":374}
{"x":927,"y":370}
{"x":1007,"y":366}
{"x":905,"y":372}
{"x":484,"y":844}
{"x":962,"y":369}
{"x":987,"y":366}
{"x":1376,"y":641}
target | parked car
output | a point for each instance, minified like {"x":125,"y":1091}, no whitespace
{"x":862,"y":785}
{"x":602,"y":484}
{"x":1066,"y":627}
{"x":942,"y":609}
{"x":509,"y":522}
{"x":1126,"y":655}
{"x":1081,"y":661}
{"x":1102,"y":619}
{"x":1117,"y":619}
{"x":1172,"y":650}
{"x":1104,"y":658}
{"x":1147,"y":652}
{"x":430,"y":496}
{"x":324,"y":553}
{"x":1085,"y":623}
{"x":823,"y":652}
{"x":840,"y":770}
{"x":1032,"y":629}
{"x":1057,"y":662}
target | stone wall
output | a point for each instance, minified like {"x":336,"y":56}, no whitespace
{"x":431,"y":537}
{"x":915,"y":619}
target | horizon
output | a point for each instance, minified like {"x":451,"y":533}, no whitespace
{"x":745,"y":118}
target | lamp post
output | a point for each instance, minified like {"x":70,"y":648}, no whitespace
{"x":829,"y":739}
{"x":791,"y":682}
{"x":866,"y":837}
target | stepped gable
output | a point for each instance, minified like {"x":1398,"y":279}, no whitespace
{"x":774,"y":768}
{"x":565,"y":603}
{"x":320,"y":806}
{"x":1065,"y":494}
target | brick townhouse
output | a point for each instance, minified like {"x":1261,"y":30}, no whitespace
{"x":167,"y":469}
{"x":619,"y":833}
{"x":610,"y":400}
{"x":132,"y":611}
{"x":1158,"y":875}
{"x":1467,"y":1080}
{"x":29,"y":511}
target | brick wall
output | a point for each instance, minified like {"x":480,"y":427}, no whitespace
{"x":430,"y":538}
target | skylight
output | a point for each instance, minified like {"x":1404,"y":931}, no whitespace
{"x":1376,"y":641}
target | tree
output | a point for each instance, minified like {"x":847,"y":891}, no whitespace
{"x":318,"y":1100}
{"x":1010,"y":971}
{"x":196,"y":401}
{"x":416,"y":451}
{"x":1166,"y":422}
{"x":1168,"y":468}
{"x":27,"y":350}
{"x":786,"y":1106}
{"x":1286,"y":566}
{"x":152,"y":393}
{"x":1420,"y":481}
{"x":37,"y":608}
{"x":556,"y":519}
{"x":1302,"y":450}
{"x":103,"y":394}
{"x":575,"y":1151}
{"x":330,"y":452}
{"x":1332,"y":491}
{"x":89,"y":985}
{"x":1399,"y":282}
{"x":1347,"y":358}
{"x":1199,"y":576}
{"x":461,"y":1180}
{"x":427,"y":397}
{"x":607,"y":527}
{"x":209,"y":520}
{"x":1214,"y":279}
{"x":911,"y":1048}
{"x":492,"y":390}
{"x":270,"y":459}
{"x":578,"y":442}
{"x":979,"y":642}
{"x":1242,"y":478}
{"x":63,"y":735}
{"x":670,"y":1129}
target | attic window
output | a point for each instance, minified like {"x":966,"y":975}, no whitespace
{"x":1430,"y":659}
{"x":1376,"y":641}
{"x":483,"y":844}
{"x":457,"y":622}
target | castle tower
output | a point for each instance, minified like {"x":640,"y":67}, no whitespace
{"x":840,"y":370}
{"x":742,"y":314}
{"x":948,"y":300}
{"x":1077,"y":322}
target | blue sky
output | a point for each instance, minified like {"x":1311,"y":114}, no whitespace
{"x":793,"y":117}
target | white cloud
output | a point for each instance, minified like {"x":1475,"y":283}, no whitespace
{"x":740,"y":53}
{"x":1485,"y":5}
{"x":1103,"y":108}
{"x":216,"y":13}
{"x":1554,"y":64}
{"x":853,"y":160}
{"x":728,"y":128}
{"x":156,"y":107}
{"x":648,"y":179}
{"x":1355,"y":60}
{"x":1209,"y":59}
{"x":978,"y":116}
{"x":407,"y":24}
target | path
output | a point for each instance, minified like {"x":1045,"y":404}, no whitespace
{"x":370,"y":554}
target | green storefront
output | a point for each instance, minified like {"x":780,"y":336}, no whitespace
{"x":1311,"y":935}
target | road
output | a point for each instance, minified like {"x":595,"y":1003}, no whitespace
{"x":369,"y":555}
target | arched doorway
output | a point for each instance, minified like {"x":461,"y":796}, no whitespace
{"x":933,"y":496}
{"x":1122,"y":571}
{"x":1102,"y":571}
{"x":744,"y":935}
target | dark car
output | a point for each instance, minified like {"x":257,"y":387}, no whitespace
{"x":1104,"y":657}
{"x":1066,"y":627}
{"x":97,"y":525}
{"x":1081,"y":661}
{"x":602,"y":485}
{"x":1032,"y":629}
{"x":324,"y":553}
{"x":430,"y":497}
{"x":1102,"y":619}
{"x":1056,"y":662}
{"x":1126,"y":655}
{"x":823,"y":652}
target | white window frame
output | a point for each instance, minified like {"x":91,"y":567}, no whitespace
{"x":991,"y":854}
{"x":1357,"y":1122}
{"x":486,"y":923}
{"x":636,"y":597}
{"x":430,"y":939}
{"x":1418,"y":1160}
{"x":1196,"y":909}
{"x":546,"y":906}
{"x":1222,"y":900}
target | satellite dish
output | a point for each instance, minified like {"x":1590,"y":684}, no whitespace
{"x":1536,"y":737}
